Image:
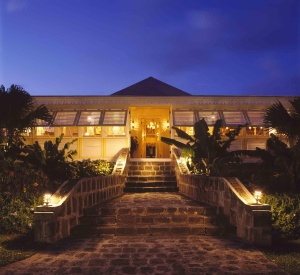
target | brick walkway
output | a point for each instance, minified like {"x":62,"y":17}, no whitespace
{"x":170,"y":254}
{"x":146,"y":255}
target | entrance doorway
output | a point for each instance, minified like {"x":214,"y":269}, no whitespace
{"x":148,"y":125}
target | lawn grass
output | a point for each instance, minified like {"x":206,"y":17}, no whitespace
{"x":285,"y":254}
{"x":16,"y":247}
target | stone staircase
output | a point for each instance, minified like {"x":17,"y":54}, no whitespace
{"x":151,"y":206}
{"x":148,"y":214}
{"x":150,"y":176}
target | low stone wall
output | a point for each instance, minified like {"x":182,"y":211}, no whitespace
{"x":53,"y":222}
{"x":252,"y":220}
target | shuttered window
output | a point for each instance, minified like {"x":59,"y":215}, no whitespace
{"x":64,"y":118}
{"x":117,"y":118}
{"x":256,"y":118}
{"x":210,"y":117}
{"x":183,"y":118}
{"x":234,"y":118}
{"x":89,"y":118}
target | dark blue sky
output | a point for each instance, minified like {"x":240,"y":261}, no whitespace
{"x":204,"y":47}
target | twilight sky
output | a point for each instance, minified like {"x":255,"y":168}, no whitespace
{"x":204,"y":47}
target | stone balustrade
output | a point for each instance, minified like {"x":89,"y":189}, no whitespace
{"x":53,"y":222}
{"x":251,"y":219}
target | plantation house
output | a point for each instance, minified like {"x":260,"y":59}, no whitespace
{"x":147,"y":110}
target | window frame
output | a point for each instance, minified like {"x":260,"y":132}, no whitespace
{"x":102,"y":121}
{"x":183,"y":124}
{"x":65,"y":124}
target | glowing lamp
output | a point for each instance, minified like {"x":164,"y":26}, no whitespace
{"x":257,"y":196}
{"x":47,"y":198}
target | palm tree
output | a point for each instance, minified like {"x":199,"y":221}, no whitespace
{"x":18,"y":112}
{"x":285,"y":122}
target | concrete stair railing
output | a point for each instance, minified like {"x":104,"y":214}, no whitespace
{"x":251,"y":220}
{"x":54,"y":222}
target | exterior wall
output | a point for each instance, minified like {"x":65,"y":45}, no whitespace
{"x":107,"y":147}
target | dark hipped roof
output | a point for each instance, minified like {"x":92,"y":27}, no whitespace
{"x":150,"y":87}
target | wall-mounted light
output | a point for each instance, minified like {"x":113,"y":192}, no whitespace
{"x":47,"y":198}
{"x":257,"y":196}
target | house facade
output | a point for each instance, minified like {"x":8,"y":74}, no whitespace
{"x":147,"y":110}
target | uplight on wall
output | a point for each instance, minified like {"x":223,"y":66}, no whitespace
{"x":257,"y":196}
{"x":47,"y":198}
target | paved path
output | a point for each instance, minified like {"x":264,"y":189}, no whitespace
{"x":146,"y":255}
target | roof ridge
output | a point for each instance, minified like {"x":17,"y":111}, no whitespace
{"x":150,"y":87}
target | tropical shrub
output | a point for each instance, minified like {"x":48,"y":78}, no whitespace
{"x":21,"y":189}
{"x":91,"y":168}
{"x":279,"y":170}
{"x":51,"y":159}
{"x":285,"y":214}
{"x":204,"y":150}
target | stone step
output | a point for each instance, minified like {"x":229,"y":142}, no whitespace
{"x":151,"y":173}
{"x":151,"y":178}
{"x":150,"y":221}
{"x":143,"y":189}
{"x":149,"y":214}
{"x":142,"y":211}
{"x":151,"y":186}
{"x":150,"y":230}
{"x":137,"y":220}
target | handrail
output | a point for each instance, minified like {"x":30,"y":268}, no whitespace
{"x":251,"y":219}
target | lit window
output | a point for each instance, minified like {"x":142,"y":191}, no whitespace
{"x":234,"y":118}
{"x":183,"y":118}
{"x":210,"y":117}
{"x":114,"y":118}
{"x":69,"y":131}
{"x":188,"y":130}
{"x":91,"y":131}
{"x":44,"y":131}
{"x":89,"y":118}
{"x":65,"y":118}
{"x":116,"y":131}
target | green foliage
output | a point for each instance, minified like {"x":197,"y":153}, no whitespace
{"x":18,"y":113}
{"x":90,"y":168}
{"x":282,"y":165}
{"x":285,"y":121}
{"x":204,"y":149}
{"x":51,"y":159}
{"x":21,"y":188}
{"x":285,"y":214}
